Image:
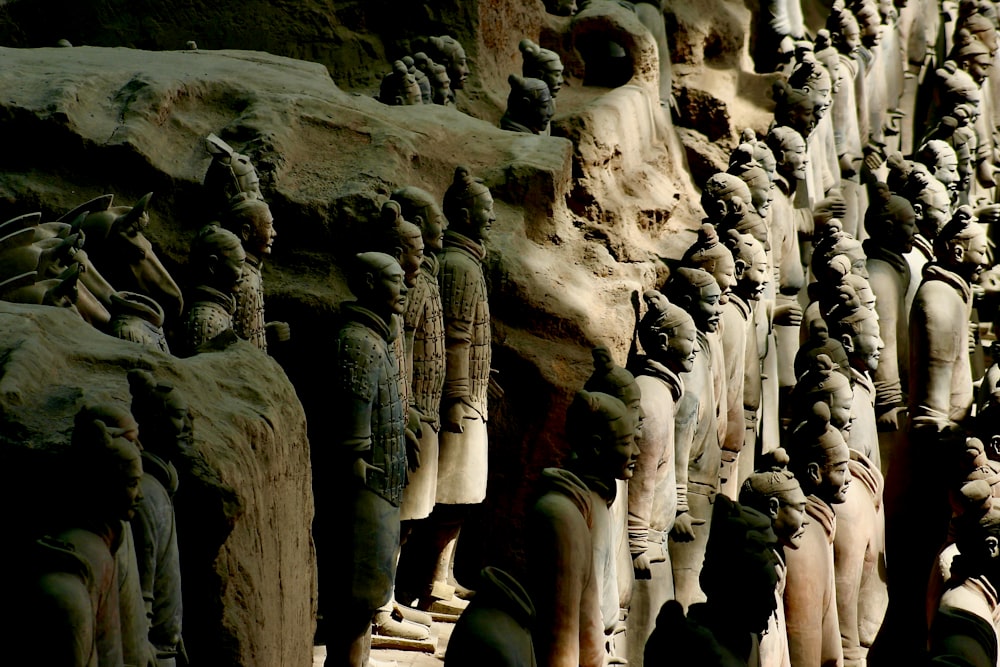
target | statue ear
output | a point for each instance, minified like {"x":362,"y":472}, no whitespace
{"x":992,"y":546}
{"x":246,"y":231}
{"x":918,"y":209}
{"x":663,"y":339}
{"x":848,"y":342}
{"x":464,"y":216}
{"x":213,"y":262}
{"x":814,"y":472}
{"x":773,"y":505}
{"x":958,"y":252}
{"x":741,"y":267}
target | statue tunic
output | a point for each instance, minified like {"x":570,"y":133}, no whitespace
{"x":423,"y":324}
{"x":248,"y":319}
{"x":566,"y":581}
{"x":977,"y":596}
{"x":155,"y":533}
{"x":462,"y":458}
{"x":369,"y":416}
{"x":737,"y":327}
{"x":811,"y":594}
{"x":211,"y":313}
{"x":652,"y":501}
{"x":889,"y":277}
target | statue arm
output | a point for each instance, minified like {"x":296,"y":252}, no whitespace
{"x":888,"y":390}
{"x":685,"y":425}
{"x":934,"y":351}
{"x":652,"y":443}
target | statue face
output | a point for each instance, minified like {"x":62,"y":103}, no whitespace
{"x":802,"y":115}
{"x":851,"y":33}
{"x":259,"y":237}
{"x":841,"y":413}
{"x":553,"y":76}
{"x":708,"y":310}
{"x":433,"y":228}
{"x":724,"y":273}
{"x":979,"y":67}
{"x":794,"y":159}
{"x":754,"y":278}
{"x":410,"y":259}
{"x":540,"y":109}
{"x":621,"y":455}
{"x":975,"y":258}
{"x":389,"y":289}
{"x":457,"y":66}
{"x":904,"y":226}
{"x":229,"y":269}
{"x":867,"y":298}
{"x":679,"y":352}
{"x":482,"y":217}
{"x":859,"y":261}
{"x":868,"y":345}
{"x":561,"y":7}
{"x":790,"y":522}
{"x":935,"y":214}
{"x":870,"y":24}
{"x":945,"y":169}
{"x":822,"y":96}
{"x":835,"y":476}
{"x":762,"y":196}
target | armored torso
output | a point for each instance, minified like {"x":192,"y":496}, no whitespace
{"x":248,"y":320}
{"x":210,"y":314}
{"x":366,"y":380}
{"x":466,"y":320}
{"x":424,"y":321}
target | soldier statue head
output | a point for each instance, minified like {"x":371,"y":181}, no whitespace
{"x":718,"y":193}
{"x":789,"y":150}
{"x":890,"y":220}
{"x":795,"y":108}
{"x":399,"y":87}
{"x":972,"y":55}
{"x":961,"y":246}
{"x":818,"y":456}
{"x":750,"y":260}
{"x":929,"y":198}
{"x":423,"y":81}
{"x":437,"y":79}
{"x":419,"y":207}
{"x":468,"y":206}
{"x":447,"y":51}
{"x":377,"y":281}
{"x":614,"y":380}
{"x":977,"y":534}
{"x":857,"y":329}
{"x":529,"y":106}
{"x":561,"y":7}
{"x":217,"y":258}
{"x":166,"y":422}
{"x":698,"y":292}
{"x":709,"y":254}
{"x":667,"y":333}
{"x":229,"y":175}
{"x":541,"y":64}
{"x":776,"y":493}
{"x":395,"y":236}
{"x":251,"y":220}
{"x":742,"y":164}
{"x":941,"y":161}
{"x":601,"y":432}
{"x":845,"y":33}
{"x":109,"y":466}
{"x":822,"y":382}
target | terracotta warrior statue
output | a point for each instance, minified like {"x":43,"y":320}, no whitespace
{"x":423,"y":82}
{"x":462,"y":458}
{"x":529,"y":106}
{"x":217,"y":258}
{"x":366,"y":464}
{"x":739,"y":578}
{"x":698,"y":455}
{"x":72,"y":602}
{"x":447,"y":51}
{"x":541,"y":64}
{"x":138,"y":318}
{"x":496,"y":627}
{"x":398,"y":87}
{"x":229,"y":175}
{"x":776,"y":493}
{"x":818,"y":457}
{"x":437,"y":76}
{"x":891,"y":224}
{"x":250,"y":219}
{"x":940,"y":399}
{"x":165,"y":433}
{"x":571,"y":556}
{"x":669,"y":340}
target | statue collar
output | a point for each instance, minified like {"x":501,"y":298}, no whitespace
{"x":924,"y":246}
{"x":362,"y":315}
{"x":600,"y":487}
{"x":741,"y":305}
{"x":164,"y":471}
{"x":822,"y":514}
{"x":508,"y":123}
{"x":463,"y":242}
{"x":863,"y":471}
{"x":212,"y":295}
{"x":894,"y":259}
{"x":253,"y":262}
{"x":430,"y":265}
{"x":508,"y":594}
{"x":563,"y":481}
{"x":934,"y":271}
{"x":787,"y":187}
{"x":864,"y":379}
{"x":139,"y":305}
{"x":653,"y":368}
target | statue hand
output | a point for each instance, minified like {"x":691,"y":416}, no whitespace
{"x":453,"y":417}
{"x":847,"y":166}
{"x":684,"y":525}
{"x":493,"y":389}
{"x":888,"y":421}
{"x":361,"y":467}
{"x":277,"y":332}
{"x":640,"y":564}
{"x":988,"y":214}
{"x":412,"y":450}
{"x":984,"y":174}
{"x":788,"y":315}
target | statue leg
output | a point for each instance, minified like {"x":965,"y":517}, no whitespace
{"x":688,"y":557}
{"x":648,"y":595}
{"x":349,"y":640}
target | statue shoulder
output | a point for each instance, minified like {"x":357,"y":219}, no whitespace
{"x":361,"y":357}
